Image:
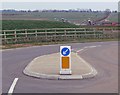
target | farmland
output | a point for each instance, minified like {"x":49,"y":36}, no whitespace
{"x":32,"y":24}
{"x":71,"y":16}
{"x":48,"y":27}
{"x":29,"y":20}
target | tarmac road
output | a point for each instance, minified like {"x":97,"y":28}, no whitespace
{"x":102,"y":55}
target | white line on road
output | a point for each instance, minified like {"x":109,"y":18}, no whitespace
{"x":80,"y":50}
{"x":91,"y":46}
{"x":88,"y":47}
{"x":12,"y":86}
{"x":99,"y":45}
{"x":114,"y":44}
{"x":92,"y":69}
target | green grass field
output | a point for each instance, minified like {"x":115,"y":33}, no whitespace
{"x":34,"y":24}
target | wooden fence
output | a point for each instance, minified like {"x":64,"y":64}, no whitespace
{"x":56,"y":34}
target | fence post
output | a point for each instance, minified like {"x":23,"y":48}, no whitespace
{"x":46,"y":35}
{"x":55,"y":35}
{"x":85,"y":34}
{"x":15,"y":35}
{"x":26,"y":33}
{"x":5,"y":35}
{"x":0,"y":37}
{"x":65,"y":34}
{"x":75,"y":36}
{"x":36,"y":33}
{"x":94,"y":33}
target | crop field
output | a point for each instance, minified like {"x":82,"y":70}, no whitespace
{"x":33,"y":24}
{"x":36,"y":24}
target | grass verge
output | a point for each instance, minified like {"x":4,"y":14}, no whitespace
{"x":9,"y":46}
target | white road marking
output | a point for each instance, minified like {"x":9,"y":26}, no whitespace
{"x":12,"y":86}
{"x":80,"y":50}
{"x":92,"y":69}
{"x":87,"y":47}
{"x":91,"y":46}
{"x":99,"y":45}
{"x":114,"y":44}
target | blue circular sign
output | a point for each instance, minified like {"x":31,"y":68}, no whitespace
{"x":65,"y":51}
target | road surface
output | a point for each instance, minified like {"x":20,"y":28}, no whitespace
{"x":103,"y":56}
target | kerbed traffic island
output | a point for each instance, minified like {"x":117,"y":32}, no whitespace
{"x":48,"y":67}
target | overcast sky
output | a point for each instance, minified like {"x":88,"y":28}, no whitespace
{"x":60,"y":5}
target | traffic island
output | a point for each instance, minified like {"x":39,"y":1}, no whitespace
{"x":48,"y":67}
